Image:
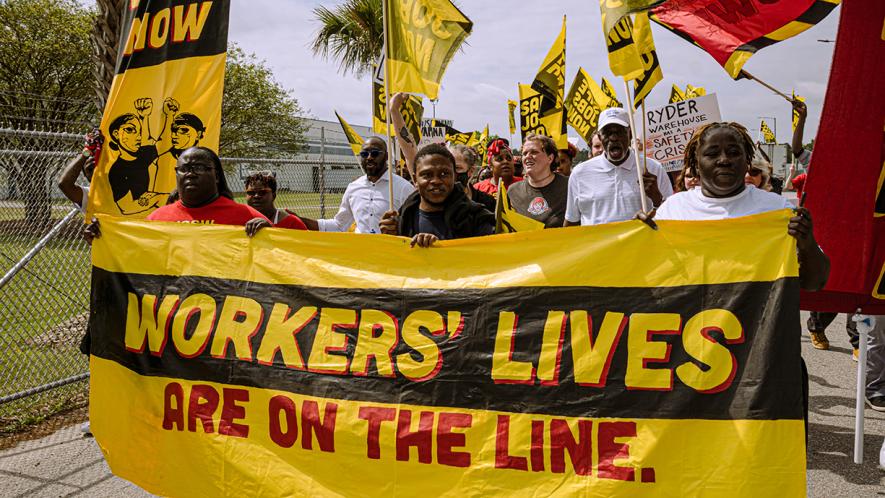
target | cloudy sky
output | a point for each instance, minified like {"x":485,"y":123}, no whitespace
{"x":510,"y":39}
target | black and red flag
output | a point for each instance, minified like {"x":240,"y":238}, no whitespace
{"x":733,"y":30}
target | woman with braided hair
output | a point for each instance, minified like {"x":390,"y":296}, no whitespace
{"x":501,"y":161}
{"x":721,"y":154}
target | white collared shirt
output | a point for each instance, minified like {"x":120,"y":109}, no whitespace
{"x":365,"y":203}
{"x":601,"y":192}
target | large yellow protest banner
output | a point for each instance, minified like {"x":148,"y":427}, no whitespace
{"x":624,"y":361}
{"x":165,"y":98}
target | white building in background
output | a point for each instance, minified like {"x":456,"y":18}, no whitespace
{"x":326,"y":145}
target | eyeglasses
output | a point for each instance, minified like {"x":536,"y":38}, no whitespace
{"x":373,"y":153}
{"x":196,"y":168}
{"x":257,"y":192}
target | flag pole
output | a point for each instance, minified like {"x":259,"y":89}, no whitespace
{"x":644,"y":140}
{"x":766,"y":85}
{"x":642,"y":197}
{"x":385,"y":14}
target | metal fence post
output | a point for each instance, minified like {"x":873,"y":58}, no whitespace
{"x":37,"y":247}
{"x":322,"y":172}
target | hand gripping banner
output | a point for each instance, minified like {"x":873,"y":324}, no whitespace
{"x":165,"y":98}
{"x":612,"y":360}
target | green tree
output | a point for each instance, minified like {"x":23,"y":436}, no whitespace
{"x":46,"y":83}
{"x":45,"y":64}
{"x":351,"y":34}
{"x":259,"y":118}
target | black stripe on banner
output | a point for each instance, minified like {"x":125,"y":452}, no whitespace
{"x":766,"y":378}
{"x":817,"y":12}
{"x":156,"y":31}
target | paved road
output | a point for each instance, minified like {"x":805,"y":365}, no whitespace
{"x":68,"y":464}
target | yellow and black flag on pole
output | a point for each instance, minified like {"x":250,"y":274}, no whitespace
{"x":609,"y":90}
{"x":353,"y":138}
{"x":795,"y":112}
{"x":511,"y":106}
{"x":767,"y":135}
{"x":584,"y":104}
{"x":538,"y":115}
{"x":613,"y":12}
{"x":424,"y":36}
{"x":507,"y":220}
{"x":550,"y":84}
{"x":645,"y":45}
{"x":165,"y":97}
{"x":623,"y":55}
{"x":694,"y":91}
{"x":676,"y":95}
{"x":550,"y":80}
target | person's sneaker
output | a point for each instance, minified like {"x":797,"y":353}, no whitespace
{"x":86,"y":429}
{"x":877,"y":403}
{"x":855,"y":354}
{"x":819,"y":340}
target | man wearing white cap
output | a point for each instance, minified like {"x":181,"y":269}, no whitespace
{"x":606,"y":188}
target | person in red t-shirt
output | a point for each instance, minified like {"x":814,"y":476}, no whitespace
{"x":501,"y":161}
{"x":261,"y":192}
{"x":204,"y":197}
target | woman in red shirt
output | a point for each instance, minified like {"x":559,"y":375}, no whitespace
{"x":501,"y":161}
{"x":261,"y":192}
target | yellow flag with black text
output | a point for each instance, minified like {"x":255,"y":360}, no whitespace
{"x":424,"y":36}
{"x":550,"y":80}
{"x":767,"y":135}
{"x":795,"y":112}
{"x":676,"y":94}
{"x":609,"y":90}
{"x":694,"y":91}
{"x":511,"y":106}
{"x":353,"y":138}
{"x":645,"y":45}
{"x":623,"y":55}
{"x":584,"y":103}
{"x":537,"y":115}
{"x":165,"y":98}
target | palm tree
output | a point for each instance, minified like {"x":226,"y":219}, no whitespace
{"x":351,"y":34}
{"x":105,"y":39}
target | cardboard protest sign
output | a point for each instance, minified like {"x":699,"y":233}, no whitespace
{"x":670,"y":127}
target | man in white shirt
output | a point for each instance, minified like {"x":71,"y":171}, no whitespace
{"x":367,"y":198}
{"x":606,"y":188}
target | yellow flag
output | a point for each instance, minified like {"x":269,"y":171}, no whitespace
{"x":609,"y":90}
{"x":550,"y":80}
{"x":424,"y":36}
{"x":676,"y":95}
{"x":459,"y":138}
{"x":652,"y":73}
{"x":534,"y":119}
{"x":166,"y":79}
{"x":511,"y":106}
{"x":694,"y":91}
{"x":795,"y":113}
{"x":767,"y":135}
{"x":379,"y":100}
{"x":480,"y":146}
{"x":353,"y":138}
{"x":507,"y":220}
{"x":614,"y":11}
{"x":584,"y":103}
{"x":623,"y":55}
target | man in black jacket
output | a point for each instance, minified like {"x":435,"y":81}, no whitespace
{"x":437,"y":210}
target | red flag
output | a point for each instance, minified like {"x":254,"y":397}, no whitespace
{"x":848,"y":164}
{"x":733,"y":30}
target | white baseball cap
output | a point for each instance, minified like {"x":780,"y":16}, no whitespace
{"x":616,"y":115}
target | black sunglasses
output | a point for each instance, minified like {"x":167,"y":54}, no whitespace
{"x":373,"y":153}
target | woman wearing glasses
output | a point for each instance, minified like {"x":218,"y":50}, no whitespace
{"x":261,"y":192}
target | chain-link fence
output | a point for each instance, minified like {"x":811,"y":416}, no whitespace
{"x":45,"y":264}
